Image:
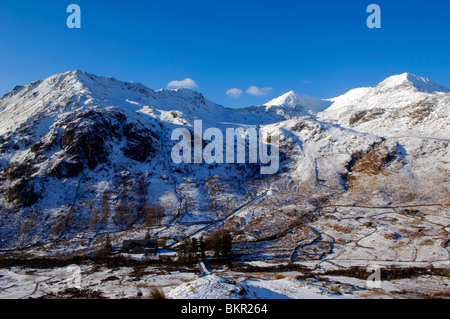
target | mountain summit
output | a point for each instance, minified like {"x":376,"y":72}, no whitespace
{"x":77,"y":89}
{"x":401,"y":103}
{"x":411,"y":81}
{"x":300,"y":102}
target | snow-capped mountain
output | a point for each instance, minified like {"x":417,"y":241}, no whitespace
{"x":402,"y":103}
{"x":83,"y":155}
{"x":411,"y":82}
{"x":299,"y":102}
{"x":77,"y":89}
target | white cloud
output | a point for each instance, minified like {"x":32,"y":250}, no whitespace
{"x":234,"y":93}
{"x":183,"y":84}
{"x":256,"y":91}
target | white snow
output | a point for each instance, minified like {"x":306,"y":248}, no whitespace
{"x":217,"y":287}
{"x":298,"y":101}
{"x":405,"y":116}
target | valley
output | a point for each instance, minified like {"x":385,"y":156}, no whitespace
{"x":363,"y":181}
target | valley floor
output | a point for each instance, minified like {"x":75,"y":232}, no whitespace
{"x":254,"y":280}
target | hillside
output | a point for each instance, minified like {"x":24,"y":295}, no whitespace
{"x":363,"y":177}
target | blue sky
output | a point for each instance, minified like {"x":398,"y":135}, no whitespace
{"x":320,"y":48}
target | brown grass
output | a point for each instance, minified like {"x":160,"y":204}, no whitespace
{"x":279,"y":276}
{"x":157,"y":293}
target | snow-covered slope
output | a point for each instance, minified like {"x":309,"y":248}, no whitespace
{"x":83,"y":155}
{"x":299,"y":102}
{"x":65,"y":92}
{"x":216,"y":287}
{"x":411,"y":82}
{"x":401,"y":104}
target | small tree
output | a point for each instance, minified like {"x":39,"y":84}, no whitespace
{"x":183,"y":251}
{"x":157,"y":293}
{"x":105,"y":251}
{"x":153,"y":214}
{"x":187,"y":251}
{"x":223,"y":248}
{"x":194,"y":248}
{"x":203,"y":248}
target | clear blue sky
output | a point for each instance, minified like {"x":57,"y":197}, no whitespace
{"x":320,"y":48}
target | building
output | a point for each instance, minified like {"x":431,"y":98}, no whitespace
{"x":140,"y":247}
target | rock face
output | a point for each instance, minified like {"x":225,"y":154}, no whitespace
{"x":362,"y":177}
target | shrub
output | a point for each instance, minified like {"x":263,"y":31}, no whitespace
{"x":157,"y":293}
{"x":153,"y":214}
{"x":104,"y":252}
{"x":279,"y":276}
{"x":223,"y":248}
{"x":125,"y":214}
{"x":334,"y":290}
{"x":184,"y":252}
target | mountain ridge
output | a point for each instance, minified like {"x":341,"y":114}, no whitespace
{"x":300,"y":102}
{"x":416,"y":82}
{"x":83,"y":82}
{"x":81,"y":158}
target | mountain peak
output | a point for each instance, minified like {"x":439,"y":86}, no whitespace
{"x":412,"y":81}
{"x":78,"y":74}
{"x":77,"y":89}
{"x":294,"y":100}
